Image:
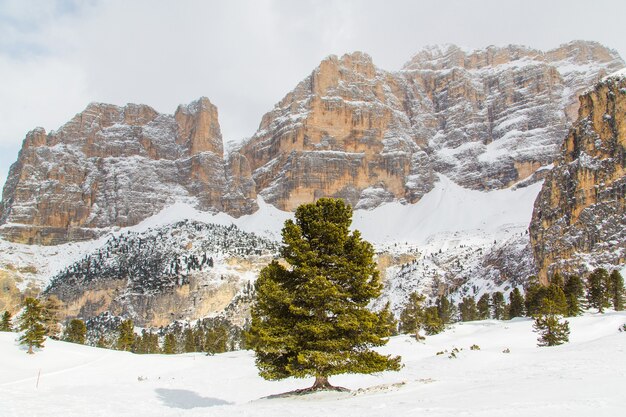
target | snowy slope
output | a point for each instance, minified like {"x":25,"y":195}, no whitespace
{"x":582,"y":378}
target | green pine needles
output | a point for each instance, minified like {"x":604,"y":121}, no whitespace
{"x":310,"y":318}
{"x":31,"y":322}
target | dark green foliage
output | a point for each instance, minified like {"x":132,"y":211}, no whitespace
{"x":75,"y":332}
{"x":483,"y":307}
{"x":537,"y":295}
{"x":598,"y":289}
{"x":392,"y":323}
{"x":432,"y":322}
{"x":497,"y":301}
{"x":311,"y":319}
{"x":445,"y":310}
{"x":616,"y":290}
{"x":552,"y":331}
{"x":468,"y":310}
{"x":516,"y":304}
{"x":169,"y":344}
{"x":216,"y":340}
{"x":31,"y":322}
{"x":412,"y":316}
{"x":51,"y":310}
{"x":126,"y":336}
{"x":5,"y":322}
{"x":190,"y":343}
{"x":556,"y":297}
{"x":573,"y":290}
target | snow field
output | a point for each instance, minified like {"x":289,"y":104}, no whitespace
{"x":584,"y":377}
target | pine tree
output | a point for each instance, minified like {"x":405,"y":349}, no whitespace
{"x":535,"y":293}
{"x":5,"y":322}
{"x":573,"y":290}
{"x":553,"y":301}
{"x":551,"y":330}
{"x":598,"y":289}
{"x":311,"y":319}
{"x":126,"y":337}
{"x":412,"y":316}
{"x":497,"y":300}
{"x":169,"y":344}
{"x":445,"y":310}
{"x":616,"y":290}
{"x":432,"y":322}
{"x":190,"y":343}
{"x":76,"y":331}
{"x":52,"y":308}
{"x":216,"y":340}
{"x":31,"y":322}
{"x":483,"y":307}
{"x":516,"y":306}
{"x":391,"y":321}
{"x":467,"y":307}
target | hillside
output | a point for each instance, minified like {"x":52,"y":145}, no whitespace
{"x":584,"y":377}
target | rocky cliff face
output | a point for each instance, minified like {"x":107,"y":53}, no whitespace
{"x":486,"y":119}
{"x":579,"y":219}
{"x":115,"y":166}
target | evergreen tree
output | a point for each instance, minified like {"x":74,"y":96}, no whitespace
{"x":598,"y":289}
{"x":535,"y":293}
{"x":516,"y":304}
{"x":5,"y":322}
{"x":150,"y":342}
{"x":616,"y":290}
{"x":483,"y":307}
{"x":216,"y":340}
{"x":412,"y":316}
{"x":553,"y":301}
{"x":76,"y":331}
{"x":32,"y":324}
{"x":497,"y":300}
{"x":445,"y":310}
{"x":126,"y":337}
{"x":52,"y":308}
{"x":169,"y":344}
{"x":432,"y":322}
{"x":391,"y":321}
{"x":311,"y":319}
{"x":190,"y":342}
{"x":573,"y":290}
{"x":468,"y":310}
{"x":552,"y":331}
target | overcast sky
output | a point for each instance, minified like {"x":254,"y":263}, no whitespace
{"x":56,"y":56}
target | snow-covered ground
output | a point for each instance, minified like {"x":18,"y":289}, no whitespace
{"x":584,"y":377}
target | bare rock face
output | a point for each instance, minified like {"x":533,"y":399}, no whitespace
{"x":115,"y":166}
{"x":487,"y":119}
{"x":579,"y":218}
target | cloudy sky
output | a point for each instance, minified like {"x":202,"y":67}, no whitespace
{"x":56,"y":56}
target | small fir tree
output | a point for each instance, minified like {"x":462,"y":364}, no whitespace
{"x":52,"y":308}
{"x":32,"y":324}
{"x":598,"y":289}
{"x":552,"y":331}
{"x":216,"y":340}
{"x":126,"y":336}
{"x":616,"y":290}
{"x":169,"y":344}
{"x":311,"y":319}
{"x":553,"y":301}
{"x":445,"y":310}
{"x":432,"y":322}
{"x":574,"y":290}
{"x":190,"y":343}
{"x":468,"y":310}
{"x":76,"y":331}
{"x":5,"y":322}
{"x":516,"y":304}
{"x":412,"y":316}
{"x":497,"y":300}
{"x":484,"y":307}
{"x":391,"y":322}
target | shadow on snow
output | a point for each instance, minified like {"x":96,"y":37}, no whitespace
{"x":180,"y":398}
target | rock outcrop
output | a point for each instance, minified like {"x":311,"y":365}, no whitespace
{"x":579,"y":218}
{"x":115,"y":166}
{"x":486,"y":119}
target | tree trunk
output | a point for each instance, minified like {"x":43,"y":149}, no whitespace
{"x":30,"y":350}
{"x":321,"y":382}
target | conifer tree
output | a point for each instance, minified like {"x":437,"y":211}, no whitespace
{"x":311,"y":319}
{"x":432,"y":322}
{"x":573,"y":290}
{"x":412,"y":316}
{"x":5,"y":322}
{"x":497,"y":300}
{"x":392,"y":323}
{"x":190,"y":343}
{"x":217,"y":340}
{"x":598,"y":289}
{"x":553,"y":301}
{"x":445,"y":310}
{"x":552,"y":331}
{"x":32,"y":324}
{"x":616,"y":290}
{"x":51,"y":310}
{"x":535,"y":293}
{"x":516,"y":304}
{"x":76,"y":331}
{"x":169,"y":344}
{"x":468,"y":310}
{"x":483,"y":307}
{"x":126,"y":337}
